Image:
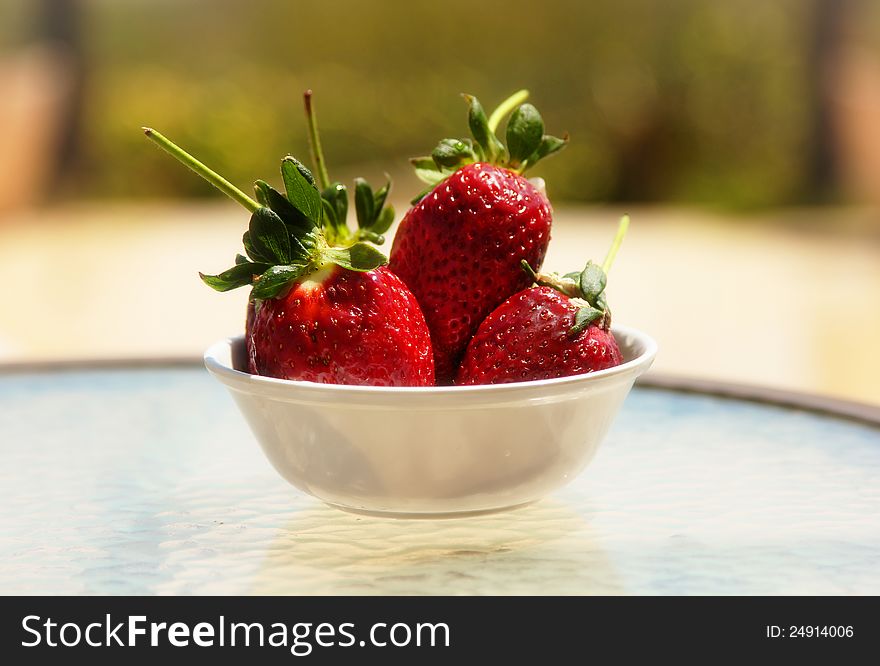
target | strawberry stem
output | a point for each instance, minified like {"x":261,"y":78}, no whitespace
{"x":561,"y":284}
{"x":615,"y":244}
{"x":529,"y":270}
{"x":506,"y":107}
{"x":315,"y":143}
{"x":212,"y":177}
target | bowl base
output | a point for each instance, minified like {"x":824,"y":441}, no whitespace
{"x":425,"y":515}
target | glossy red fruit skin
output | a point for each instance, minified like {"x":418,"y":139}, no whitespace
{"x":459,"y":251}
{"x":527,"y":338}
{"x":360,"y":328}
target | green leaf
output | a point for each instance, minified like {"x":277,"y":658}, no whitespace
{"x":592,"y":282}
{"x":238,"y":276}
{"x":239,"y":259}
{"x":336,"y":232}
{"x":432,"y":177}
{"x":363,"y":202}
{"x":329,"y":213}
{"x":482,"y":133}
{"x":549,"y":145}
{"x":525,"y":131}
{"x":311,"y":240}
{"x":427,"y":170}
{"x":506,"y":107}
{"x":358,"y":257}
{"x":299,"y":252}
{"x":379,"y":199}
{"x":301,"y":189}
{"x":453,"y":152}
{"x":424,"y":163}
{"x":276,"y":281}
{"x":335,"y":202}
{"x":365,"y":257}
{"x":337,"y":196}
{"x":261,"y":197}
{"x":295,"y":220}
{"x":583,"y":318}
{"x":252,"y":251}
{"x":372,"y":236}
{"x":269,"y":236}
{"x":384,"y":221}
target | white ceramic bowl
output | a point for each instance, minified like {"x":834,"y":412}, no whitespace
{"x":436,"y":450}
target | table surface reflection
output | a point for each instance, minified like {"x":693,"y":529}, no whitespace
{"x":147,"y":481}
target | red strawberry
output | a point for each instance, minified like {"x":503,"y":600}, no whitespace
{"x":559,"y":328}
{"x":459,"y":251}
{"x":459,"y":248}
{"x":321,"y":313}
{"x":374,"y":215}
{"x":344,"y":327}
{"x":528,"y":337}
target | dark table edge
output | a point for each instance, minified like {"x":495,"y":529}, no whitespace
{"x":849,"y":409}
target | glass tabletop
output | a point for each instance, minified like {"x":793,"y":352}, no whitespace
{"x":146,"y":480}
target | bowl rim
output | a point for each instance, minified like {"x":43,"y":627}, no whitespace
{"x":635,"y":366}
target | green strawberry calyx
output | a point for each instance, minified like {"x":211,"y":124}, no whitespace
{"x":586,"y":288}
{"x":526,"y":143}
{"x":286,"y":239}
{"x":374,"y":214}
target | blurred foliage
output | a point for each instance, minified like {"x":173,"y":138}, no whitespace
{"x":680,"y":100}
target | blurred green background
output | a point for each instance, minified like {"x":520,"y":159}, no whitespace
{"x":723,"y":102}
{"x":743,"y":136}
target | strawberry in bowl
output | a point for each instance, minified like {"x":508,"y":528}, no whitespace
{"x":460,"y":247}
{"x":335,"y":373}
{"x":319,"y":312}
{"x":559,"y":327}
